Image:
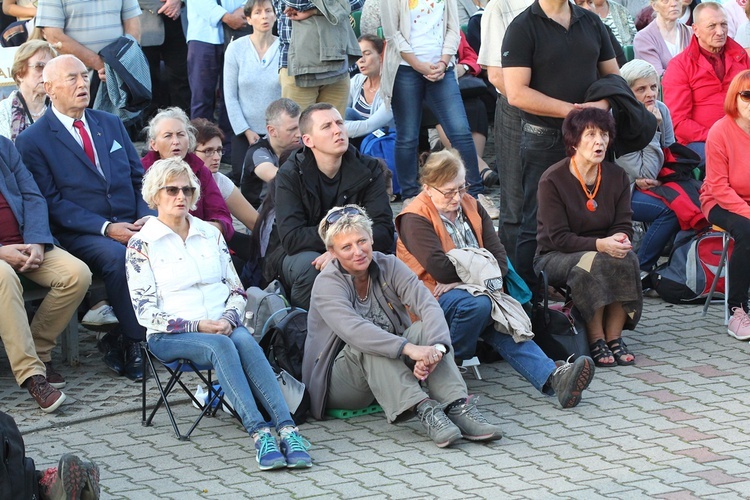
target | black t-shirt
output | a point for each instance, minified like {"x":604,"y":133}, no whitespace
{"x":563,"y":62}
{"x":253,"y":188}
{"x":328,"y":190}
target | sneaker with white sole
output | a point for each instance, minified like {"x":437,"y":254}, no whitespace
{"x":294,"y":447}
{"x":101,"y":316}
{"x":439,"y":427}
{"x":739,"y":324}
{"x":489,"y":206}
{"x":268,"y":454}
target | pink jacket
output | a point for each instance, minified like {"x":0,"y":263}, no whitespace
{"x":727,"y":182}
{"x":211,"y":205}
{"x":693,"y":93}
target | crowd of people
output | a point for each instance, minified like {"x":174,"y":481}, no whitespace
{"x":395,"y":305}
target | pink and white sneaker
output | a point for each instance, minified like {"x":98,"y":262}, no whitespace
{"x":739,"y":324}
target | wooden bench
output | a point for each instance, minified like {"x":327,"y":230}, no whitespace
{"x":69,"y":336}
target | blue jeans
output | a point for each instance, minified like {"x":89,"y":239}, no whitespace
{"x":663,"y":226}
{"x":410,"y":90}
{"x":539,"y":151}
{"x":700,"y":148}
{"x":469,"y":318}
{"x":241,"y":368}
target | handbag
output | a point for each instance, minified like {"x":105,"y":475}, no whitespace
{"x":471,"y":86}
{"x":559,"y":330}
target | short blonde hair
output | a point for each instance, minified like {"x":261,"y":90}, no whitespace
{"x":161,"y":172}
{"x":25,"y":52}
{"x":347,"y":223}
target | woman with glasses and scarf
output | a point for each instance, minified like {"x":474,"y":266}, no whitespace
{"x":725,"y":197}
{"x":444,"y":217}
{"x":187,"y":295}
{"x":362,"y":346}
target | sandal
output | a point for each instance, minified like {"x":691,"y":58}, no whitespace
{"x":599,"y":352}
{"x":619,"y":351}
{"x":489,"y":177}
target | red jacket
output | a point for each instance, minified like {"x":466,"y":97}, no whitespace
{"x":211,"y":205}
{"x":693,"y":93}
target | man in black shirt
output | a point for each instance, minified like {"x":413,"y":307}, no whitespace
{"x":552,"y":52}
{"x":327,"y":172}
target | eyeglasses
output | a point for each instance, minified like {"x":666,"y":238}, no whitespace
{"x":744,"y":95}
{"x":449,"y":195}
{"x":188,"y":191}
{"x":334,"y":217}
{"x":211,"y":151}
{"x":39,"y":67}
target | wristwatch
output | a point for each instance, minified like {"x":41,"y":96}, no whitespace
{"x":466,"y":67}
{"x":441,"y":348}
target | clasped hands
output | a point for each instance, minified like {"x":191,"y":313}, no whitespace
{"x":221,"y":326}
{"x":426,"y":359}
{"x":618,"y":245}
{"x":23,"y":257}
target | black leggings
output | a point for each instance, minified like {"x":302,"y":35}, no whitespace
{"x":739,"y":264}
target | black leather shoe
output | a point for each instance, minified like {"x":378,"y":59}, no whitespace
{"x":134,"y":362}
{"x":114,"y":356}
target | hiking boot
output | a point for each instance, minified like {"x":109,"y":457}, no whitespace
{"x":570,"y":379}
{"x":439,"y":427}
{"x":47,"y":397}
{"x":739,"y":324}
{"x":474,"y":427}
{"x":268,"y":454}
{"x":91,"y":490}
{"x":294,"y":447}
{"x":66,"y":481}
{"x":55,"y":379}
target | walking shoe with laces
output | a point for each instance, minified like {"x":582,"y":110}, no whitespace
{"x":474,"y":427}
{"x":739,"y":324}
{"x":53,"y":377}
{"x":294,"y":447}
{"x":101,"y":316}
{"x":47,"y":397}
{"x":73,"y":478}
{"x":439,"y":427}
{"x":268,"y":454}
{"x":569,"y":380}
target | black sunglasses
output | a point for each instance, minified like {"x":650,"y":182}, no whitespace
{"x":173,"y":190}
{"x":744,"y":95}
{"x":333,"y":217}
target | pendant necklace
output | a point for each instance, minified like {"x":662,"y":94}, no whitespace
{"x":367,"y":293}
{"x":591,"y":203}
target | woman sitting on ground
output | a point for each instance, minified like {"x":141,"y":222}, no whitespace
{"x":444,"y":217}
{"x":187,"y":295}
{"x":583,"y":235}
{"x":725,"y":197}
{"x":362,"y":346}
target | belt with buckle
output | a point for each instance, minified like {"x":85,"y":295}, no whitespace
{"x":538,"y":130}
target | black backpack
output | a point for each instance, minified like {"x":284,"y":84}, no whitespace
{"x":17,"y":471}
{"x":284,"y":345}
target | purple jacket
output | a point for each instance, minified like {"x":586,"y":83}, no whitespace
{"x":650,"y":46}
{"x":211,"y":205}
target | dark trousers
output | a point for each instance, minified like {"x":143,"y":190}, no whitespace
{"x":509,"y":169}
{"x":739,"y":264}
{"x":106,"y":258}
{"x":541,"y":148}
{"x":172,"y":87}
{"x":239,"y":150}
{"x":205,"y":65}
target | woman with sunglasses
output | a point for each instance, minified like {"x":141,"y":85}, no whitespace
{"x":187,"y":295}
{"x":444,"y":217}
{"x":725,"y":197}
{"x":170,"y":134}
{"x":362,"y":346}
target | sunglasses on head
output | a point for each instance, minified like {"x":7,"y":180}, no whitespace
{"x":173,"y":190}
{"x":744,"y":95}
{"x":333,"y":217}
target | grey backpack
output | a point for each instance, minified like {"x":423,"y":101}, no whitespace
{"x":262,"y":306}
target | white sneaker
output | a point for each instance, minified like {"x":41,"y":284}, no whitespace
{"x":104,"y":315}
{"x":489,"y":207}
{"x":739,"y":324}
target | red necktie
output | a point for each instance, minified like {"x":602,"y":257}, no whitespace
{"x":88,"y":147}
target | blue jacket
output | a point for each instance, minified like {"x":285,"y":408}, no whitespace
{"x":23,"y":196}
{"x":80,"y":200}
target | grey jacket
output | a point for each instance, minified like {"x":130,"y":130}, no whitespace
{"x":333,"y":321}
{"x":647,"y":162}
{"x":323,"y":47}
{"x":23,"y":196}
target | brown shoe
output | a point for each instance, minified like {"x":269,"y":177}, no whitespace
{"x":47,"y":397}
{"x":55,"y":379}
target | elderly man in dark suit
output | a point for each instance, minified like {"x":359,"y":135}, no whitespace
{"x":27,"y":249}
{"x":90,"y":173}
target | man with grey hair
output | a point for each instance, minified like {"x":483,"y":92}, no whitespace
{"x":262,"y":158}
{"x":696,"y":80}
{"x":89,"y":172}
